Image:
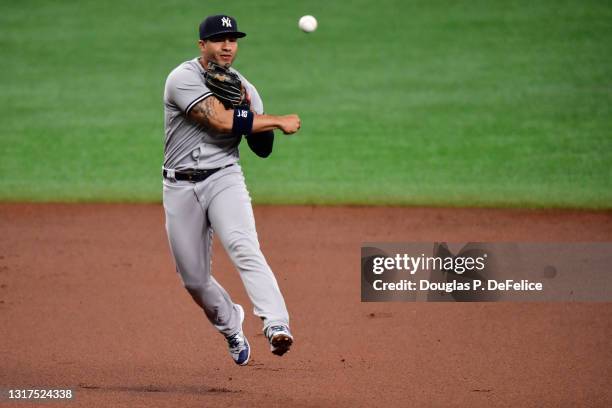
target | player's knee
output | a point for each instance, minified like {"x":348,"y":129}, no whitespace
{"x":241,"y":243}
{"x":196,"y":285}
{"x":198,"y":291}
{"x":195,"y":282}
{"x":244,"y":251}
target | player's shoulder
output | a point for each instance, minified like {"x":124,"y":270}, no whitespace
{"x":188,"y":69}
{"x":244,"y":80}
{"x":242,"y":77}
{"x":256,"y":100}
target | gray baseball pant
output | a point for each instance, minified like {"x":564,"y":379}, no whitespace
{"x":223,"y":204}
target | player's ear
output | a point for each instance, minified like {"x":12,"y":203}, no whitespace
{"x":201,"y":44}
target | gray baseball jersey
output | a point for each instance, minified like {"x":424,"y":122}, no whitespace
{"x":189,"y":145}
{"x":221,"y":203}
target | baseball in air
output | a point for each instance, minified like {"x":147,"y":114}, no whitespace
{"x":307,"y":24}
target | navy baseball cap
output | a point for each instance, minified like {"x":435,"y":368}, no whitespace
{"x":219,"y":24}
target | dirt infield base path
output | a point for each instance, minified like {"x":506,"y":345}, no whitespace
{"x":89,"y":300}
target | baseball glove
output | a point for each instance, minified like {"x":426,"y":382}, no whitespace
{"x":226,"y":86}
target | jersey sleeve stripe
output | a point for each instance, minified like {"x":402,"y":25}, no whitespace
{"x":196,"y":101}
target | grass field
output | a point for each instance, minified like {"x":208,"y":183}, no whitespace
{"x":480,"y":103}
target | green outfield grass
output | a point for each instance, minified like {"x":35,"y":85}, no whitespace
{"x":485,"y":103}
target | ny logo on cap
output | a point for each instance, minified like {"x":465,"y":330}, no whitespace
{"x":226,"y":22}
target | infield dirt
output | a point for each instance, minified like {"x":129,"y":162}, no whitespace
{"x":89,"y":300}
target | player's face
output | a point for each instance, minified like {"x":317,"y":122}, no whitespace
{"x":220,"y":49}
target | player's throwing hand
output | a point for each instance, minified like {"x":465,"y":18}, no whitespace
{"x":289,"y":124}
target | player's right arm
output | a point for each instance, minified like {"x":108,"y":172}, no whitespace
{"x":211,"y":113}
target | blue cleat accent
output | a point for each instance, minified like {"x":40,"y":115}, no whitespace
{"x":238,"y":344}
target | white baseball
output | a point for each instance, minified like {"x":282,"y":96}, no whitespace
{"x":307,"y":24}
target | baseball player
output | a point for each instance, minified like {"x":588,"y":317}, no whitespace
{"x":208,"y":107}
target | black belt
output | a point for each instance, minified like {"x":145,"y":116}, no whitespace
{"x":195,"y":176}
